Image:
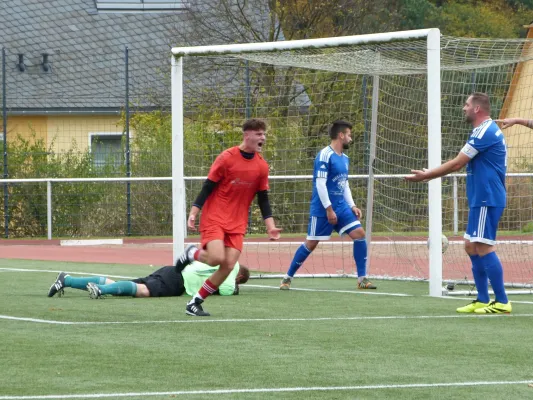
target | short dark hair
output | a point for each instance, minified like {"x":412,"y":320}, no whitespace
{"x":243,"y":275}
{"x":338,"y":127}
{"x":482,"y":100}
{"x":254,"y":124}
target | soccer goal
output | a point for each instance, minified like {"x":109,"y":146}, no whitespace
{"x":403,"y":92}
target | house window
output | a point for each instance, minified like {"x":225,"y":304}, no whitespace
{"x":141,"y":5}
{"x":106,"y":149}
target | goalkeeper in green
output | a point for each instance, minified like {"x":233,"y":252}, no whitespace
{"x":164,"y":282}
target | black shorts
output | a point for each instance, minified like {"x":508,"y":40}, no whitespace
{"x":164,"y":282}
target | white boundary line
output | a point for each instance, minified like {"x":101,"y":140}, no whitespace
{"x":333,"y":291}
{"x":90,"y":242}
{"x":67,"y":272}
{"x":269,"y":390}
{"x":245,"y":320}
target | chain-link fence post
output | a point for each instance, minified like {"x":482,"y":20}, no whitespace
{"x":127,"y":130}
{"x":4,"y":120}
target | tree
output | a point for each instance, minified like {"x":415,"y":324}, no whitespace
{"x":242,"y":21}
{"x":303,"y":19}
{"x":471,"y":18}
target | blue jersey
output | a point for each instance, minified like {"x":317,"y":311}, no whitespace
{"x":334,"y":168}
{"x":485,"y":172}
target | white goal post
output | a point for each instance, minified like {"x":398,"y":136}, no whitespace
{"x":431,"y":68}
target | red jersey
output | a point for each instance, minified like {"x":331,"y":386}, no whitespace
{"x":238,"y":180}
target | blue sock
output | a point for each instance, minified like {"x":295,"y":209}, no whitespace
{"x":494,"y":270}
{"x":480,"y":278}
{"x":299,"y":257}
{"x":81,"y":283}
{"x":360,"y":252}
{"x":122,"y":288}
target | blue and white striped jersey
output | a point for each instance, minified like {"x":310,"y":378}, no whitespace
{"x":334,"y":168}
{"x":485,"y":172}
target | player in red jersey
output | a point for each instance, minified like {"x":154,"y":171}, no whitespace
{"x":236,"y":176}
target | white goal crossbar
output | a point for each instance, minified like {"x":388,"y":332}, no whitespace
{"x":432,"y":37}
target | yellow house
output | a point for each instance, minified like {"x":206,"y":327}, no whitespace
{"x":63,"y":132}
{"x":68,"y":64}
{"x":67,"y":72}
{"x":519,"y":103}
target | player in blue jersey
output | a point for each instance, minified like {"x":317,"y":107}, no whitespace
{"x":485,"y":157}
{"x":332,"y":206}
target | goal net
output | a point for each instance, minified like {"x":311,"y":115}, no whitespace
{"x":404,"y":94}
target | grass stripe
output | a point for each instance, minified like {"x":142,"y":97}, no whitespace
{"x":268,"y":390}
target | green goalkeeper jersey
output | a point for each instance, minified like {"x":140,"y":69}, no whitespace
{"x":195,"y":274}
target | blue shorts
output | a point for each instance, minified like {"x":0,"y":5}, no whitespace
{"x":483,"y":224}
{"x":320,"y":229}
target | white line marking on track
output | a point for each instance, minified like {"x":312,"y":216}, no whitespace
{"x":267,"y":390}
{"x":192,"y":321}
{"x":90,"y":242}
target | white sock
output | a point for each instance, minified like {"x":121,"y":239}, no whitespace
{"x":197,"y":295}
{"x":190,"y":254}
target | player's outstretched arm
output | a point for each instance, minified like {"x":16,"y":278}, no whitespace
{"x":448,"y":167}
{"x":508,"y":122}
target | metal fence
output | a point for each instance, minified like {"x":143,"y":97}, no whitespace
{"x":71,"y":119}
{"x":68,"y":115}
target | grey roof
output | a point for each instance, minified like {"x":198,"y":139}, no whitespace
{"x":86,"y":52}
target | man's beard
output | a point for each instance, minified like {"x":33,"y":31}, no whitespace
{"x":345,"y":146}
{"x":468,"y":119}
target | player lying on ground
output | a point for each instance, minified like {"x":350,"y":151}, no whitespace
{"x":165,"y":282}
{"x":485,"y":157}
{"x":332,"y":206}
{"x":236,"y":176}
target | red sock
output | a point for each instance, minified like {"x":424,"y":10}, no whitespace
{"x":207,"y":289}
{"x":196,"y":254}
